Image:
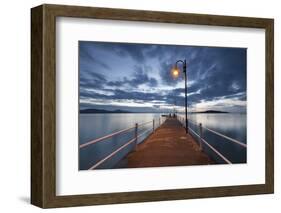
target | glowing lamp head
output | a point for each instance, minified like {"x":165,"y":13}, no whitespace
{"x":175,"y":72}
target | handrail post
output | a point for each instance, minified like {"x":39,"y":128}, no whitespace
{"x":136,"y":136}
{"x":153,"y":125}
{"x":201,"y":136}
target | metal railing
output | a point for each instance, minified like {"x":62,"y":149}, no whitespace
{"x":202,"y":140}
{"x":133,"y":140}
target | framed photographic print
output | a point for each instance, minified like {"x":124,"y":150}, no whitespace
{"x":135,"y":106}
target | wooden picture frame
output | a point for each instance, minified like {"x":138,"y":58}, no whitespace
{"x":43,"y":105}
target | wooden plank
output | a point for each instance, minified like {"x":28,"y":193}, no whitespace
{"x":169,"y":145}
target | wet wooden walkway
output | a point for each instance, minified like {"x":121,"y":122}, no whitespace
{"x":169,"y":145}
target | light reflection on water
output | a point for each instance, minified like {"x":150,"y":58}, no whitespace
{"x":93,"y":126}
{"x":231,"y":124}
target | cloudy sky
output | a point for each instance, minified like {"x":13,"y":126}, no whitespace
{"x":137,"y":77}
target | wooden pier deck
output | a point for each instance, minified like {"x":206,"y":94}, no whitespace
{"x":169,"y":145}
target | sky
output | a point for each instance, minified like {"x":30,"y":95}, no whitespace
{"x":137,"y":77}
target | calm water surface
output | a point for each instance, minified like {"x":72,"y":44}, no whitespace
{"x":93,"y":126}
{"x":233,"y":125}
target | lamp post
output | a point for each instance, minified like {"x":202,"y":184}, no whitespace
{"x":175,"y":73}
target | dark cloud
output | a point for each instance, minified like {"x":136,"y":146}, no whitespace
{"x":140,"y":77}
{"x":138,"y":54}
{"x":212,"y":73}
{"x":119,"y":95}
{"x":222,"y":72}
{"x":85,"y":54}
{"x":130,"y":50}
{"x":89,"y":79}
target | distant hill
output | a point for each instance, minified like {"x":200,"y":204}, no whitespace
{"x":93,"y":111}
{"x":211,"y":111}
{"x":102,"y":111}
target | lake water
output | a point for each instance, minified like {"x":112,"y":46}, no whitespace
{"x":233,"y":125}
{"x":94,"y":126}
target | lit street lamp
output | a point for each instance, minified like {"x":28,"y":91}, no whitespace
{"x":175,"y":74}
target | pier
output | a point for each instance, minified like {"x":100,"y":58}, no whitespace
{"x":165,"y":143}
{"x":169,"y":145}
